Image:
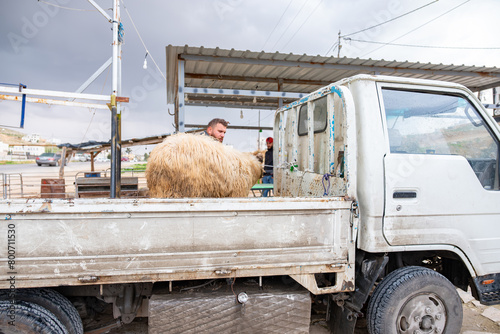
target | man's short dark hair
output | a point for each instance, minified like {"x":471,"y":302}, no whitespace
{"x":216,"y":121}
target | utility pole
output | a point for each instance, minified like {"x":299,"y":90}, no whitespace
{"x":340,"y":46}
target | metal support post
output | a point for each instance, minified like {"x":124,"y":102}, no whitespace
{"x":115,"y":154}
{"x":23,"y":106}
{"x":115,"y":116}
{"x":280,"y":89}
{"x":180,"y":103}
{"x":4,"y":185}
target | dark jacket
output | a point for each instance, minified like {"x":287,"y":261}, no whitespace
{"x":268,"y":162}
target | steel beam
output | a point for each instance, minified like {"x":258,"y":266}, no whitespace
{"x":347,"y":67}
{"x":255,"y":79}
{"x":234,"y":105}
{"x":241,"y":92}
{"x":54,"y":102}
{"x":236,"y":127}
{"x":93,"y":3}
{"x":53,"y":93}
{"x":95,"y":75}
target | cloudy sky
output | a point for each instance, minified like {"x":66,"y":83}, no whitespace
{"x":58,"y":44}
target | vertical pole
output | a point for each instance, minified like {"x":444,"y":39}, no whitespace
{"x":62,"y":163}
{"x":339,"y":46}
{"x":92,"y":157}
{"x":280,"y":89}
{"x":180,"y":96}
{"x":115,"y":117}
{"x":4,"y":186}
{"x":260,"y":130}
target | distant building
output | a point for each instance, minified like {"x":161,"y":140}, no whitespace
{"x":4,"y":148}
{"x":54,"y":141}
{"x":26,"y":150}
{"x":33,"y":138}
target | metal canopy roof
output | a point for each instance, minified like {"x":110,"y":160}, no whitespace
{"x":211,"y":70}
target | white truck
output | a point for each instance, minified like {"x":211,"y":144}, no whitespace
{"x":386,"y":198}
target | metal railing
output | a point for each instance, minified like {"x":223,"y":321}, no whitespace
{"x":12,"y":184}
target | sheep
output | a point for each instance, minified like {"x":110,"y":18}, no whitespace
{"x":188,"y":165}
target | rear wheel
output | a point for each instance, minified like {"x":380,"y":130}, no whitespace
{"x":25,"y":317}
{"x":415,"y":300}
{"x":52,"y":301}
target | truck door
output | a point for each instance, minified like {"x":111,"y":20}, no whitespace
{"x":441,"y":173}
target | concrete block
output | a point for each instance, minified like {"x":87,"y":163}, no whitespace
{"x":478,"y":304}
{"x":492,"y":314}
{"x":465,"y":296}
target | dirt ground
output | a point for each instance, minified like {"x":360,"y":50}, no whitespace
{"x":474,"y":322}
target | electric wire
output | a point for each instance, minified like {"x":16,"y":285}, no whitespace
{"x":420,"y":26}
{"x":277,"y":23}
{"x":93,"y":114}
{"x":68,"y":8}
{"x":332,"y":48}
{"x":395,"y":18}
{"x":378,"y":25}
{"x":142,"y":41}
{"x":425,"y":46}
{"x":288,"y":26}
{"x":310,"y":14}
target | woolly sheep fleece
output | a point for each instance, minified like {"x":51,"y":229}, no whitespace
{"x":188,"y":165}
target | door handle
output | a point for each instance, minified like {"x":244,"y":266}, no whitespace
{"x":404,"y":194}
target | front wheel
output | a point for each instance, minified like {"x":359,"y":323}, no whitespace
{"x":415,"y":300}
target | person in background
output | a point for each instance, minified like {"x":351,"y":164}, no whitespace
{"x":217,"y":129}
{"x":268,"y":165}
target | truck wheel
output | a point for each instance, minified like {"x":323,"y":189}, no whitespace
{"x":54,"y":302}
{"x":415,"y":300}
{"x":26,"y":317}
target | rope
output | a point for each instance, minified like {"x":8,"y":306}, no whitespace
{"x":326,"y":177}
{"x":142,"y":41}
{"x":68,"y":8}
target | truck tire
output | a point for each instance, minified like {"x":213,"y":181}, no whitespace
{"x":415,"y":300}
{"x":54,"y":302}
{"x":25,"y":317}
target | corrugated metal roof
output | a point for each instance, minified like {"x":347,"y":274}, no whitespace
{"x":252,"y":70}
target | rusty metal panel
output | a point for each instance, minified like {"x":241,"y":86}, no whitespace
{"x":74,"y":242}
{"x":220,"y":312}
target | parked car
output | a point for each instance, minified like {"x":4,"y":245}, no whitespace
{"x":82,"y":157}
{"x":125,"y":159}
{"x":51,"y":159}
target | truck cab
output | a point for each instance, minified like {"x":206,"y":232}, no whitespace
{"x":420,"y":161}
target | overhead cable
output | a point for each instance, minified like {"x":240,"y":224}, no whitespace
{"x":425,"y":46}
{"x":289,"y":24}
{"x":395,"y":18}
{"x":377,"y":25}
{"x":420,"y":26}
{"x":68,"y":8}
{"x":277,"y":23}
{"x":307,"y":18}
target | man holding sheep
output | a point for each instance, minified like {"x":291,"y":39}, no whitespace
{"x":217,"y":129}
